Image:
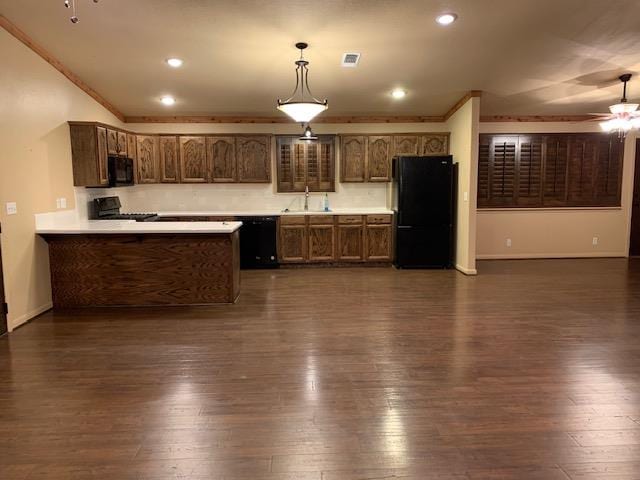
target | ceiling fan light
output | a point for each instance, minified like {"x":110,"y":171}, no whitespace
{"x":623,"y":108}
{"x":302,"y":112}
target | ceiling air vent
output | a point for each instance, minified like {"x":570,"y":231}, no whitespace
{"x":350,"y":59}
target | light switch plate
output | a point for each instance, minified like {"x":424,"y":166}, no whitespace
{"x":61,"y":203}
{"x":466,"y":196}
{"x":12,"y":208}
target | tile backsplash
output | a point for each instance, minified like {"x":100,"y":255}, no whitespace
{"x":220,"y":197}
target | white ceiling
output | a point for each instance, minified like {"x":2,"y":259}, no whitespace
{"x":528,"y":56}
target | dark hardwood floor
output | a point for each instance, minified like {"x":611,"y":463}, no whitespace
{"x":529,"y":371}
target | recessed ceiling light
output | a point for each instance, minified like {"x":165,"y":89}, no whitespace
{"x":168,"y":100}
{"x":398,"y":93}
{"x":174,"y":62}
{"x":446,"y":18}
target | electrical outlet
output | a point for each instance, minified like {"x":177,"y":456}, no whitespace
{"x":12,"y":208}
{"x":594,"y":242}
{"x":508,"y":242}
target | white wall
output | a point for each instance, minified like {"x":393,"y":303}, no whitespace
{"x":557,"y":232}
{"x":35,"y":166}
{"x":464,"y":147}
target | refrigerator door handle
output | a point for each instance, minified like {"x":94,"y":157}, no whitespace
{"x":405,"y":226}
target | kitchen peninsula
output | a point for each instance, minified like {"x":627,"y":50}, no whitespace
{"x":117,"y":263}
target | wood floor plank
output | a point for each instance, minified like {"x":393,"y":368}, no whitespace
{"x":529,"y":371}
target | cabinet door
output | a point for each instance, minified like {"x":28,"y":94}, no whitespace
{"x":131,"y":146}
{"x":193,"y":160}
{"x":350,"y":243}
{"x":169,"y":160}
{"x":253,"y":157}
{"x":378,"y":243}
{"x":406,"y":145}
{"x":112,"y":142}
{"x":103,"y":173}
{"x":147,"y":159}
{"x":122,"y":143}
{"x":435,"y":144}
{"x":379,"y":159}
{"x":221,"y":157}
{"x":352,"y":158}
{"x":321,"y":243}
{"x":293,"y":243}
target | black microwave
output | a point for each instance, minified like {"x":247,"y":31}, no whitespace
{"x":120,"y":171}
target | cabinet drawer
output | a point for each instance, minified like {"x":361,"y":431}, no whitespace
{"x":320,"y":219}
{"x":378,"y":219}
{"x":292,"y":220}
{"x":349,"y":219}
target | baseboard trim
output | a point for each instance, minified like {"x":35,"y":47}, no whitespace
{"x":523,"y":256}
{"x":466,"y":271}
{"x":22,"y":319}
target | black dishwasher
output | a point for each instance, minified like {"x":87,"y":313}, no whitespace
{"x":258,"y":242}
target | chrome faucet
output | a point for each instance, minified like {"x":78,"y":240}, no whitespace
{"x":306,"y":198}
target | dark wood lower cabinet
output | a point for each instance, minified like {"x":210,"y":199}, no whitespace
{"x":350,"y":243}
{"x":335,"y":239}
{"x":378,"y":243}
{"x":321,"y":243}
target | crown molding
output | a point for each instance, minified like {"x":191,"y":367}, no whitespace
{"x":536,"y":118}
{"x":458,"y":105}
{"x":58,"y":65}
{"x":269,"y":119}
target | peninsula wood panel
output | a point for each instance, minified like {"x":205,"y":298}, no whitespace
{"x":221,"y":157}
{"x":193,"y":159}
{"x":149,"y":269}
{"x":253,"y":156}
{"x":148,"y":164}
{"x":169,"y":171}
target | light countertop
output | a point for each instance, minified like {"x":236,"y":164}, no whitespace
{"x":275,"y":212}
{"x":131,"y":226}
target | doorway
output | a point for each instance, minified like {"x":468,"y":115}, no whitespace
{"x":3,"y":305}
{"x":634,"y":244}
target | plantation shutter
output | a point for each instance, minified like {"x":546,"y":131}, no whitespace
{"x":502,"y":171}
{"x":582,"y":169}
{"x":609,"y":170}
{"x":556,"y":161}
{"x":529,"y":171}
{"x":484,"y":159}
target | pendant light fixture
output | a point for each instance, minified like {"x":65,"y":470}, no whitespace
{"x":624,"y":116}
{"x":308,"y":134}
{"x":302,"y":106}
{"x":72,"y":5}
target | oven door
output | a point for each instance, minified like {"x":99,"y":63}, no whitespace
{"x":120,"y":171}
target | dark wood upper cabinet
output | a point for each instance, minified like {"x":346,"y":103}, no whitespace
{"x":147,"y":159}
{"x":169,"y":171}
{"x":89,"y":155}
{"x":549,"y":170}
{"x":434,"y":144}
{"x":379,"y":158}
{"x":406,"y":144}
{"x":193,"y":159}
{"x":112,"y":142}
{"x":253,"y":158}
{"x":301,"y":164}
{"x":353,"y":156}
{"x":221,"y":157}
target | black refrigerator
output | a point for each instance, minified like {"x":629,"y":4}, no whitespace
{"x":424,"y":203}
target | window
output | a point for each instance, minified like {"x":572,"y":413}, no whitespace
{"x":302,"y":163}
{"x":549,"y":170}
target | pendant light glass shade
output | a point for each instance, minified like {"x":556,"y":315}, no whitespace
{"x":302,"y":106}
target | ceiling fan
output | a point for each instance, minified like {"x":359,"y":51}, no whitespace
{"x":623,"y":116}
